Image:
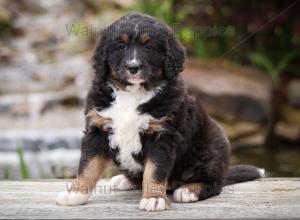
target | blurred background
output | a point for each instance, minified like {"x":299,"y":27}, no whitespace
{"x":243,"y":61}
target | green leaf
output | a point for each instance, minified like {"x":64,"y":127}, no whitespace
{"x":262,"y":61}
{"x":186,"y":35}
{"x":284,"y":62}
{"x":7,"y":173}
{"x":23,"y":166}
{"x":201,"y":48}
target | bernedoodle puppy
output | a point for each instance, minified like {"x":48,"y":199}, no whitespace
{"x":140,"y":115}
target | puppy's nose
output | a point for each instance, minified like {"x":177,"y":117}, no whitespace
{"x":133,"y":69}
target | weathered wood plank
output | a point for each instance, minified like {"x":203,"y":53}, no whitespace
{"x":267,"y":198}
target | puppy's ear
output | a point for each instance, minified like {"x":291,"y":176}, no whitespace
{"x":100,"y":58}
{"x":175,"y":57}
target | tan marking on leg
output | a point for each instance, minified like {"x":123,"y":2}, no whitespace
{"x":86,"y":182}
{"x":96,"y":120}
{"x":154,"y":192}
{"x":144,"y":38}
{"x":152,"y":188}
{"x":124,"y":38}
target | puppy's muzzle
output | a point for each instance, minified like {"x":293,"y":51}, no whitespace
{"x":133,"y":66}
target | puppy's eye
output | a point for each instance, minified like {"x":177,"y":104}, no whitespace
{"x":122,"y":47}
{"x":148,"y":46}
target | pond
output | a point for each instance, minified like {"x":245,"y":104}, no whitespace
{"x":279,"y":161}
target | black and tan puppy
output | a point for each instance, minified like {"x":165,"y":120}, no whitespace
{"x":140,"y":115}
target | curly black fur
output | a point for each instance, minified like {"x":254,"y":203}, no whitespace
{"x":192,"y":147}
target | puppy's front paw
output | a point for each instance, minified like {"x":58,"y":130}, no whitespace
{"x":71,"y":198}
{"x":154,"y":204}
{"x":120,"y":182}
{"x":184,"y":195}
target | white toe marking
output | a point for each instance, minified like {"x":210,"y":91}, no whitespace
{"x":262,"y":172}
{"x":120,"y":182}
{"x":153,"y":204}
{"x":71,"y":198}
{"x":184,"y":195}
{"x":143,"y":203}
{"x":150,"y":205}
{"x":161,"y":204}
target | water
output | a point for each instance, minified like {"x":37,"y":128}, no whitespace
{"x":280,"y":161}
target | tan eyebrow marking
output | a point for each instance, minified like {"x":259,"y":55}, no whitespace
{"x":125,"y":38}
{"x":144,"y":38}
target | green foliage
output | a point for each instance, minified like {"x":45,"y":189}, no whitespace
{"x":23,"y":166}
{"x":160,"y":9}
{"x":189,"y":36}
{"x":273,"y":68}
{"x":226,"y":29}
{"x":201,"y":48}
{"x":264,"y":62}
{"x":7,"y":173}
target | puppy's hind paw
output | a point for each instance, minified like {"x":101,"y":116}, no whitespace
{"x":184,"y":195}
{"x":120,"y":182}
{"x":71,"y":198}
{"x":153,"y":204}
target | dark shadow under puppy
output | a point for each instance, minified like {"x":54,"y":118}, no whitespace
{"x":140,"y":115}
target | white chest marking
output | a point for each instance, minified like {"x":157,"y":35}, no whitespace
{"x":127,"y":123}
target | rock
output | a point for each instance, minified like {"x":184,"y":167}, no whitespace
{"x":60,"y":117}
{"x":40,"y":164}
{"x":288,"y":128}
{"x":34,"y":104}
{"x":229,"y":91}
{"x":255,"y":140}
{"x":39,"y":60}
{"x":5,"y":15}
{"x":35,"y":7}
{"x":50,"y":142}
{"x":290,"y":115}
{"x":37,"y":140}
{"x":32,"y":77}
{"x":126,"y":3}
{"x":111,"y":4}
{"x":287,"y":131}
{"x":236,"y":130}
{"x":6,"y":55}
{"x":293,"y":91}
{"x":244,"y":134}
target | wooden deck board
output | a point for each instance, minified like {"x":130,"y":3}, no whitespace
{"x":267,"y":198}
